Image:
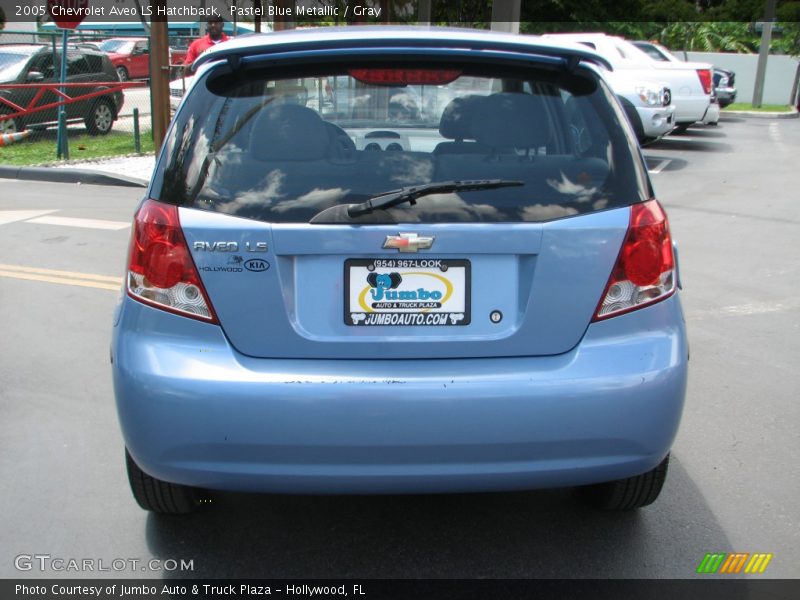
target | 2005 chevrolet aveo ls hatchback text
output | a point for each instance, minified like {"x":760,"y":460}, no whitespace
{"x":399,"y":261}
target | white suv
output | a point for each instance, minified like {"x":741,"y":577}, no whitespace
{"x":648,"y":105}
{"x":691,"y":83}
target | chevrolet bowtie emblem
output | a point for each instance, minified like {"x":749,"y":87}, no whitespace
{"x":408,"y":242}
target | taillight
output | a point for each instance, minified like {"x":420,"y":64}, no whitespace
{"x":645,"y":269}
{"x":405,"y":76}
{"x":161,"y":271}
{"x":706,"y":79}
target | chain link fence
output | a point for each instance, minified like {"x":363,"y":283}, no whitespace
{"x":106,"y":99}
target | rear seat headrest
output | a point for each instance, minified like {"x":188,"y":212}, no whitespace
{"x":289,"y":132}
{"x":508,"y":120}
{"x":457,"y":118}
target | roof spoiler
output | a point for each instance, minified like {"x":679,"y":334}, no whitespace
{"x":238,"y":56}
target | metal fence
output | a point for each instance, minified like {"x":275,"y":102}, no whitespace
{"x":119,"y":66}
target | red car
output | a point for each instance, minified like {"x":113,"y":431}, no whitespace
{"x":130,"y":57}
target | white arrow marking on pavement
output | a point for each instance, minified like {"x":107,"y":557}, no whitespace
{"x":86,"y":223}
{"x":660,"y":166}
{"x":10,"y":216}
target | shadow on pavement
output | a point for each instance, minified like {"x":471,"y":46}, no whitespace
{"x":691,"y":143}
{"x":705,"y":132}
{"x":543,"y":534}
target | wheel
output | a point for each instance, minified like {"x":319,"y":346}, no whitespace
{"x":633,"y":117}
{"x":630,"y":493}
{"x":681,"y":128}
{"x":11,"y":126}
{"x":100,"y":119}
{"x":159,"y":496}
{"x":122,"y":73}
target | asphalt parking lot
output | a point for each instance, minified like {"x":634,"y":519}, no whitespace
{"x":731,"y":194}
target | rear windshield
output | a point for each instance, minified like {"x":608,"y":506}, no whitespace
{"x":283,"y":149}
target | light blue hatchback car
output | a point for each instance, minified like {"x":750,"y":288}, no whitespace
{"x":399,"y":261}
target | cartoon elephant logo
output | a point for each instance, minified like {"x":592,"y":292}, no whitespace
{"x":381,"y":282}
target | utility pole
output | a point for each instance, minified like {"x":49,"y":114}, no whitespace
{"x":159,"y":75}
{"x":505,"y":15}
{"x":763,"y":53}
{"x":424,"y":12}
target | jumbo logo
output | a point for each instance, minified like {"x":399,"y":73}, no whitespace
{"x":384,"y":281}
{"x":418,"y":290}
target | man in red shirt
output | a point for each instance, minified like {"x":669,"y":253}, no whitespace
{"x":213,"y":37}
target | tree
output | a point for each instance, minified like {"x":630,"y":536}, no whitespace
{"x":789,"y":22}
{"x":463,"y":12}
{"x":700,"y":36}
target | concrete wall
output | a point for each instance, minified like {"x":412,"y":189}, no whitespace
{"x":781,"y":73}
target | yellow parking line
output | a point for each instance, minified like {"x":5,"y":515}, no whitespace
{"x":68,"y":274}
{"x":102,"y":282}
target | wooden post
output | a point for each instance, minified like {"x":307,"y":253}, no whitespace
{"x":257,"y":21}
{"x":159,"y":77}
{"x":281,"y":20}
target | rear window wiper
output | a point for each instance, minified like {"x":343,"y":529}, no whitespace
{"x":410,"y":194}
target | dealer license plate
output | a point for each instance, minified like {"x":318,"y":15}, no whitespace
{"x":425,"y":292}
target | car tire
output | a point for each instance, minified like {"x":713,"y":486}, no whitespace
{"x":630,"y":493}
{"x":633,"y":117}
{"x":100,"y":119}
{"x":122,"y":73}
{"x":681,"y":128}
{"x":159,"y":496}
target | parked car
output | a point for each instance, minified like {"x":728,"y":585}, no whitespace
{"x":724,"y":80}
{"x":648,"y":105}
{"x":82,"y":45}
{"x":725,"y":86}
{"x":33,"y":63}
{"x":130,"y":57}
{"x":491,"y":305}
{"x":691,"y":83}
{"x":177,"y":89}
{"x":177,"y":56}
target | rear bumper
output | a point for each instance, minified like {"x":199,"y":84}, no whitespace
{"x":690,"y":109}
{"x":726,"y":96}
{"x":194,"y":411}
{"x":712,"y":114}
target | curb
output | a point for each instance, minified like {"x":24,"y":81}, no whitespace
{"x":86,"y":176}
{"x":794,"y":114}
